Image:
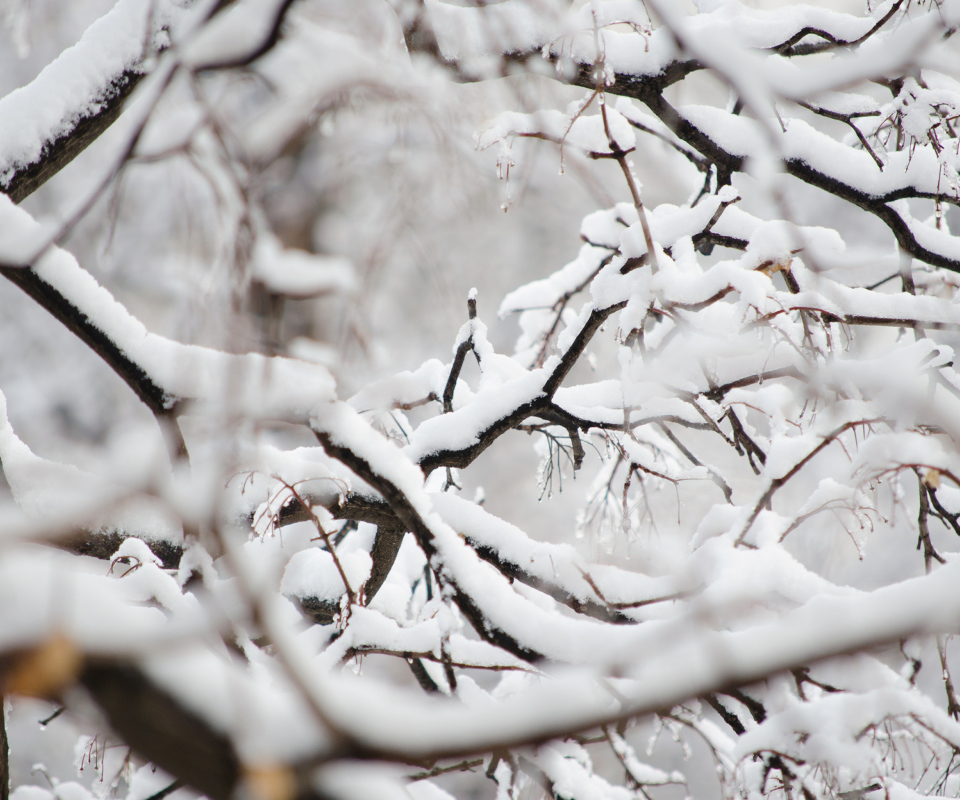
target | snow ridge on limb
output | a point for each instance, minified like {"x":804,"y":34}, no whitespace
{"x":605,"y":593}
{"x":164,"y":374}
{"x":481,"y":593}
{"x":79,"y":95}
{"x":746,"y":369}
{"x":641,"y":64}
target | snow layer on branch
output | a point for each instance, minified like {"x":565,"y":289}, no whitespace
{"x":265,"y":716}
{"x":61,"y":493}
{"x":522,"y":26}
{"x":250,"y":384}
{"x":600,"y":402}
{"x":370,"y":630}
{"x":76,"y":84}
{"x":550,"y":563}
{"x":312,"y":573}
{"x":545,"y":632}
{"x":464,"y":427}
{"x":819,"y":292}
{"x":936,"y":241}
{"x":43,"y":592}
{"x":573,"y":776}
{"x":144,"y":580}
{"x":831,"y":728}
{"x":917,"y":171}
{"x":763,"y":29}
{"x":546,"y":293}
{"x":678,"y":662}
{"x":503,"y":28}
{"x":297,"y":273}
{"x":306,"y":471}
{"x":404,"y":388}
{"x":896,"y":48}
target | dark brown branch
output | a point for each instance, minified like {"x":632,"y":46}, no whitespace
{"x":941,"y":513}
{"x":458,"y":360}
{"x":78,"y":323}
{"x":721,"y":484}
{"x":162,"y":731}
{"x":464,"y":456}
{"x":515,"y":571}
{"x":728,"y":163}
{"x":412,"y":521}
{"x":830,"y":42}
{"x":573,"y":353}
{"x":742,"y":439}
{"x":725,"y":714}
{"x":103,"y":544}
{"x":755,"y":707}
{"x":717,"y":392}
{"x":386,"y":546}
{"x":463,"y":765}
{"x":423,"y":677}
{"x":446,"y":661}
{"x":923,"y":539}
{"x":57,"y":153}
{"x":166,"y":791}
{"x":270,"y":39}
{"x":848,"y":120}
{"x":953,"y":706}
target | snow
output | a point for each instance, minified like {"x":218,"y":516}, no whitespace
{"x":515,"y":26}
{"x":312,"y":573}
{"x":75,"y":84}
{"x":268,"y":722}
{"x":250,"y":384}
{"x":468,"y":34}
{"x":298,"y":274}
{"x":43,"y":593}
{"x":802,"y":142}
{"x":420,"y":790}
{"x":463,"y":428}
{"x":51,"y":491}
{"x":25,"y":792}
{"x":403,"y":388}
{"x":558,"y":565}
{"x":710,"y":598}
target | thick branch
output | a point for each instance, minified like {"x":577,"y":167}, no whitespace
{"x":162,"y":731}
{"x":155,"y":398}
{"x":728,"y":163}
{"x":413,"y":522}
{"x":59,"y":152}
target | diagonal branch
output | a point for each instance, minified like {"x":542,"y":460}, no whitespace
{"x":412,"y":521}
